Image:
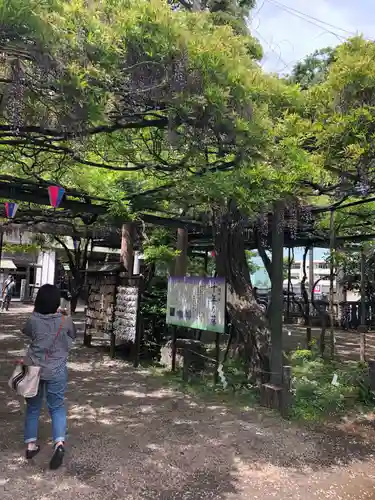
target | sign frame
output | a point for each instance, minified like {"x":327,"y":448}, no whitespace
{"x":198,"y":321}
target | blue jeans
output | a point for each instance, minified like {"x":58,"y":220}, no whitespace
{"x":54,"y":391}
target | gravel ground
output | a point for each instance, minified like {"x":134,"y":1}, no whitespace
{"x":131,"y":439}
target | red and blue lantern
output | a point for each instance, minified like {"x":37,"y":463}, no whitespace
{"x":11,"y":209}
{"x":56,"y":194}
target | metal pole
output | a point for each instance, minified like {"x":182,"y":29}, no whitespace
{"x":331,"y":278}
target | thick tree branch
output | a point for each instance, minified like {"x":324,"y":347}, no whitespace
{"x":58,"y":135}
{"x":266,"y":260}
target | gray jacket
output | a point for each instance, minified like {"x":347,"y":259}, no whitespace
{"x":45,"y":350}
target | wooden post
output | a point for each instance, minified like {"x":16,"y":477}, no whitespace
{"x":1,"y":247}
{"x":331,"y":278}
{"x":363,"y":325}
{"x":205,"y":263}
{"x":186,"y":364}
{"x":174,"y":347}
{"x":310,"y":298}
{"x":112,"y":348}
{"x":182,"y":247}
{"x":27,"y":285}
{"x":311,"y":275}
{"x":138,"y":339}
{"x":371,"y":370}
{"x":127,"y":248}
{"x":362,"y":345}
{"x":363,"y":288}
{"x":276,"y":306}
{"x":86,"y":335}
{"x":217,"y":358}
{"x":138,"y":329}
{"x":289,"y":284}
{"x":340,"y":293}
{"x":287,"y":391}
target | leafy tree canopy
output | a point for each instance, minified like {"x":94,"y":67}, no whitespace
{"x":314,"y":68}
{"x":147,"y":95}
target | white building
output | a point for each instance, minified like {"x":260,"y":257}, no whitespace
{"x":320,"y":271}
{"x":36,"y":267}
{"x":31,"y":269}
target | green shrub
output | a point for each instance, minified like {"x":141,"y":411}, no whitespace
{"x":316,"y":398}
{"x":153,"y":311}
{"x":301,"y":355}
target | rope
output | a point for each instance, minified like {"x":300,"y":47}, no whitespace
{"x":220,"y":369}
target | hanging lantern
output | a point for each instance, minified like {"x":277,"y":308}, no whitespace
{"x":11,"y":209}
{"x":56,"y":194}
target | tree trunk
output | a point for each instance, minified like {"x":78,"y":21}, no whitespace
{"x":73,"y":303}
{"x":244,"y":311}
{"x":266,"y":260}
{"x":127,"y":248}
{"x":182,"y":246}
{"x":76,"y":288}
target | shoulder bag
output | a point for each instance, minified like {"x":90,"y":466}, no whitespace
{"x":25,"y":379}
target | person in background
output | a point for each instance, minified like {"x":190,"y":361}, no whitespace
{"x":51,"y":334}
{"x":66,"y":296}
{"x":7,"y":292}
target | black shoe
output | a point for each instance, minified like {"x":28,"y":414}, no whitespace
{"x":31,"y":453}
{"x":57,"y":457}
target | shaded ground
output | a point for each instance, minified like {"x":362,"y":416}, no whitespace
{"x":131,"y":439}
{"x":347,"y":342}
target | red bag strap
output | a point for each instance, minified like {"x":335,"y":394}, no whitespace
{"x":56,"y":337}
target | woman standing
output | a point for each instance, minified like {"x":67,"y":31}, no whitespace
{"x":66,"y":296}
{"x":51,"y":334}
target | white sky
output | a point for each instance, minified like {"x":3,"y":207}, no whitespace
{"x":287,"y":38}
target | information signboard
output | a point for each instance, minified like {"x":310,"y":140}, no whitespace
{"x":196,"y":302}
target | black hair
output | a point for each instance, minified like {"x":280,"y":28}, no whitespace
{"x":47,"y":300}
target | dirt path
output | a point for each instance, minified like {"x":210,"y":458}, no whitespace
{"x":131,"y":439}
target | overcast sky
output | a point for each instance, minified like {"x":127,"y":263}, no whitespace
{"x":287,"y":38}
